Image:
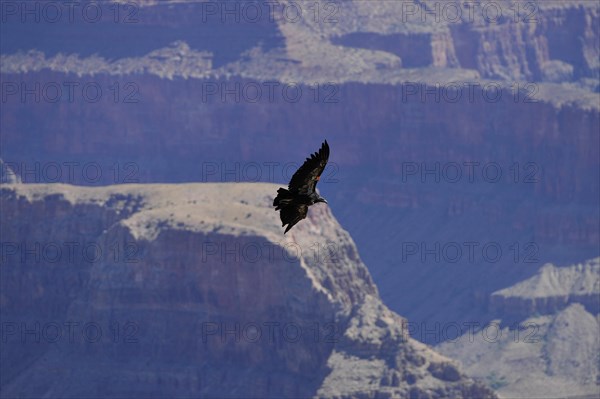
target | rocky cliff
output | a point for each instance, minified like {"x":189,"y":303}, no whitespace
{"x":545,"y":327}
{"x":550,"y":291}
{"x":192,"y":289}
{"x":552,"y":355}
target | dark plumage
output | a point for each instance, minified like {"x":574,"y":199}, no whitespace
{"x":301,"y":192}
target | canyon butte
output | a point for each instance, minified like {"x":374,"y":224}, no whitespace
{"x":175,"y":266}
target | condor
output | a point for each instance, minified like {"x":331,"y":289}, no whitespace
{"x":301,"y":193}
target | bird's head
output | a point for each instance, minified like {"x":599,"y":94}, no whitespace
{"x":321,"y":199}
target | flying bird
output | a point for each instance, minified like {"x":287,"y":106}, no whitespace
{"x":301,"y":193}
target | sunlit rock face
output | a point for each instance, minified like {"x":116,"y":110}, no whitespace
{"x":192,"y":289}
{"x":546,"y":327}
{"x":550,"y":290}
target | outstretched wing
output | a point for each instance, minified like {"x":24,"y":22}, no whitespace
{"x":307,"y":176}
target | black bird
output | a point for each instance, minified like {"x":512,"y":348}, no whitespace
{"x":301,"y":192}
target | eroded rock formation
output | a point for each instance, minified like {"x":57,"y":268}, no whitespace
{"x":192,"y":289}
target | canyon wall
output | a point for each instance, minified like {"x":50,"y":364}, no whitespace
{"x":187,"y":290}
{"x":547,"y":327}
{"x":550,"y":291}
{"x":464,"y":152}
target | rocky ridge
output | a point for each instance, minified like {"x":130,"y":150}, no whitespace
{"x":191,"y":271}
{"x":550,"y":290}
{"x":547,"y":329}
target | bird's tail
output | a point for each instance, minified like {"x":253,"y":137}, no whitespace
{"x":284,"y":198}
